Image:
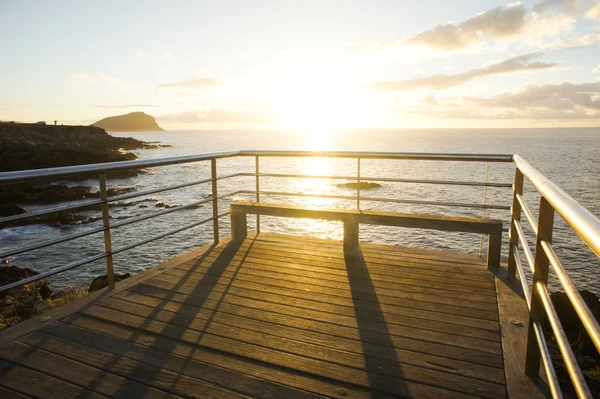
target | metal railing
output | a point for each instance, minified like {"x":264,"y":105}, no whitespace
{"x":587,"y":226}
{"x":553,"y":199}
{"x":100,"y":170}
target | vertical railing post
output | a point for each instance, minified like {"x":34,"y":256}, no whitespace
{"x":358,"y":184}
{"x":484,"y":202}
{"x":515,"y":215}
{"x":215,"y":201}
{"x":256,"y":172}
{"x":540,"y":275}
{"x":110,"y":271}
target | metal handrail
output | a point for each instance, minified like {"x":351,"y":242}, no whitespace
{"x":587,"y":226}
{"x":581,"y":220}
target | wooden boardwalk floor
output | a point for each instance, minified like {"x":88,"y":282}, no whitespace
{"x":275,"y":317}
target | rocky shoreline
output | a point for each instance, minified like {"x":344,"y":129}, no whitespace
{"x":22,"y":303}
{"x":34,"y":146}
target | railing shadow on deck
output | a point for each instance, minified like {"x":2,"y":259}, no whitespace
{"x":178,"y":324}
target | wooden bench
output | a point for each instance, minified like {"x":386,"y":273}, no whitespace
{"x":352,"y":218}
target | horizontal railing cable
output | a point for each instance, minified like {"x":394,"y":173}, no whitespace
{"x":563,"y":344}
{"x":525,"y":245}
{"x":583,"y":311}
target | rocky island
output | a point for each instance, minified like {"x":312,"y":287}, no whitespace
{"x":132,"y":122}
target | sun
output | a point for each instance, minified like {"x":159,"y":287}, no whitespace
{"x":319,"y":97}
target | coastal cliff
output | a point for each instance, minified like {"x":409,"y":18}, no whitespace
{"x":34,"y":146}
{"x":132,"y":122}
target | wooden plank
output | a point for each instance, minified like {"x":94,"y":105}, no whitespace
{"x":382,"y":261}
{"x":514,"y":316}
{"x":383,"y":295}
{"x":254,"y":321}
{"x":348,"y":298}
{"x":448,"y":279}
{"x":193,"y":379}
{"x":360,"y":378}
{"x":369,"y":364}
{"x":9,"y":393}
{"x":397,"y":219}
{"x":442,"y":263}
{"x":78,"y":373}
{"x":486,"y":296}
{"x":472,"y":261}
{"x":390,"y":262}
{"x":189,"y":359}
{"x":33,"y":383}
{"x":307,"y":316}
{"x":377,"y":247}
{"x":435,"y":321}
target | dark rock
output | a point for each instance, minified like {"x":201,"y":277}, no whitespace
{"x":567,"y":315}
{"x":20,"y":303}
{"x":11,"y":209}
{"x":102,"y":281}
{"x":363,"y":185}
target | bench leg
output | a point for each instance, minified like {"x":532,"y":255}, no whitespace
{"x":494,"y":248}
{"x":239,"y":226}
{"x":350,"y":237}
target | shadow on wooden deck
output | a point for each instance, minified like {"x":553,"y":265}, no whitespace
{"x":273,"y":316}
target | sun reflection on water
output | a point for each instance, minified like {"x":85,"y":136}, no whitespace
{"x":315,"y":140}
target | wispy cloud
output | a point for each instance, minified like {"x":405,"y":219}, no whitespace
{"x":199,"y":83}
{"x":594,"y":12}
{"x":543,"y":102}
{"x":497,"y":22}
{"x":127,"y":106}
{"x":81,"y":77}
{"x":572,"y":6}
{"x":164,"y":57}
{"x":596,"y":70}
{"x":218,"y":116}
{"x":443,"y":81}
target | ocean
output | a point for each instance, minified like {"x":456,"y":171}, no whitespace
{"x":569,"y":157}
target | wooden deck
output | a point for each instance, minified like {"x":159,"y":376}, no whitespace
{"x":275,"y":317}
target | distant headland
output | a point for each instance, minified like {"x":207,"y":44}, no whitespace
{"x":132,"y":122}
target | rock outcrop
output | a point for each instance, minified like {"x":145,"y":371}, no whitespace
{"x":20,"y":303}
{"x":132,"y":122}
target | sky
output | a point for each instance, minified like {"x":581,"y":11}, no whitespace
{"x":303,"y":64}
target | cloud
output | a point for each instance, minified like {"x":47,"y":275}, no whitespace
{"x":594,"y":12}
{"x":596,"y":70}
{"x":200,"y":83}
{"x":564,"y":96}
{"x":444,"y":81}
{"x":218,"y":116}
{"x":498,"y":22}
{"x":81,"y":77}
{"x":565,"y":101}
{"x":164,"y":57}
{"x":572,"y":6}
{"x":127,"y":106}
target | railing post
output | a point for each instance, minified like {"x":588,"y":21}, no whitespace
{"x":215,"y":201}
{"x":110,"y":271}
{"x":483,"y":211}
{"x":256,"y":164}
{"x":358,"y":184}
{"x":540,"y":275}
{"x":515,"y":215}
